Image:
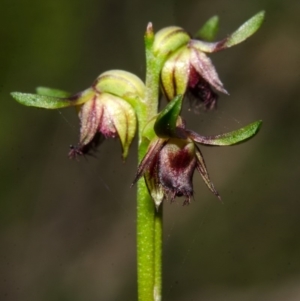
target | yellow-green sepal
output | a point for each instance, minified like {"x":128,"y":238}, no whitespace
{"x":123,"y":118}
{"x":122,"y":84}
{"x":175,"y":73}
{"x":168,"y":40}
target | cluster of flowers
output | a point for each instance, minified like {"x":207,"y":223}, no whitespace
{"x":111,"y":107}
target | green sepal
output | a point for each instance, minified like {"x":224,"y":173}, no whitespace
{"x":122,"y":84}
{"x":52,"y":92}
{"x":165,"y":125}
{"x":230,"y":138}
{"x":168,"y":40}
{"x":124,"y":119}
{"x":209,"y":30}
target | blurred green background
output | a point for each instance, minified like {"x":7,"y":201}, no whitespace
{"x":67,"y":228}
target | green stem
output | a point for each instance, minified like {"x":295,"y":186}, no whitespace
{"x":158,"y":235}
{"x":149,"y":220}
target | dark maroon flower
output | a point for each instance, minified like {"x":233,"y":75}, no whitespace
{"x":169,"y":166}
{"x":170,"y":162}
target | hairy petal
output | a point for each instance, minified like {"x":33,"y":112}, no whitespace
{"x":155,"y":146}
{"x":90,"y":116}
{"x":203,"y":65}
{"x":152,"y":181}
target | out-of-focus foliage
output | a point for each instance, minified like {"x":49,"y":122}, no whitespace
{"x":67,"y":228}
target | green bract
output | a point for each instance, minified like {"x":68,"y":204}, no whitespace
{"x":166,"y":122}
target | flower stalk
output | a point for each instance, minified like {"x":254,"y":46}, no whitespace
{"x":149,"y":220}
{"x":118,"y":104}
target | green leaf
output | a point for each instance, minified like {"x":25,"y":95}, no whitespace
{"x":209,"y":30}
{"x":52,"y":92}
{"x":246,"y":30}
{"x":229,"y":138}
{"x":41,"y":101}
{"x":165,"y":125}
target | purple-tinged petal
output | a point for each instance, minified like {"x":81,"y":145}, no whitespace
{"x":90,"y":116}
{"x":201,"y":167}
{"x":154,"y":148}
{"x":118,"y":120}
{"x":203,"y":65}
{"x":200,"y":92}
{"x":152,"y":181}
